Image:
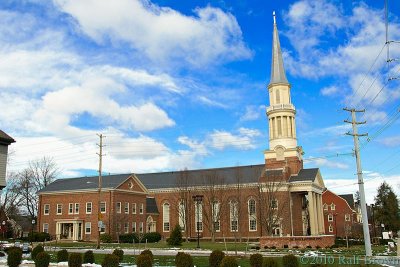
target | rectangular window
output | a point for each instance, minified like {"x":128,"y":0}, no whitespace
{"x":330,"y":229}
{"x":333,"y":207}
{"x":253,"y":224}
{"x":325,"y":207}
{"x":103,"y":228}
{"x":46,"y":209}
{"x":133,"y":208}
{"x":347,"y":217}
{"x":118,"y":227}
{"x":330,"y":218}
{"x":118,"y":207}
{"x":134,"y":227}
{"x":88,"y":227}
{"x":76,"y":208}
{"x":71,"y":208}
{"x":216,"y":216}
{"x":141,"y":208}
{"x":103,"y":207}
{"x":126,"y":207}
{"x":126,"y":227}
{"x":166,"y":217}
{"x":59,"y":209}
{"x":46,"y":227}
{"x":88,"y":207}
{"x":141,"y":227}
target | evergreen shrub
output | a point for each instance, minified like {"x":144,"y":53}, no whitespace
{"x":270,"y":262}
{"x":36,"y":250}
{"x":105,"y":238}
{"x":14,"y":258}
{"x":176,"y":236}
{"x":149,"y":253}
{"x":42,"y":259}
{"x":144,"y":260}
{"x":229,"y":261}
{"x":256,"y":260}
{"x":62,"y":255}
{"x":215,"y":258}
{"x":119,"y":253}
{"x":290,"y":260}
{"x":88,"y":257}
{"x":75,"y":260}
{"x":183,"y":260}
{"x":110,"y":260}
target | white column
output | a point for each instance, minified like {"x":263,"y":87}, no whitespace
{"x":294,"y":128}
{"x":75,"y":227}
{"x":317,"y":206}
{"x":322,"y":214}
{"x":270,"y":129}
{"x":275,"y":127}
{"x":57,"y":230}
{"x":311,"y":212}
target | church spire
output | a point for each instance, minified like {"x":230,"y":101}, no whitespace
{"x":277,"y":70}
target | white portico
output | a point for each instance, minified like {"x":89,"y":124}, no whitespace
{"x":69,"y":229}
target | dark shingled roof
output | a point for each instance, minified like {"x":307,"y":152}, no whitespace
{"x":151,"y":205}
{"x":349,"y":198}
{"x":229,"y":175}
{"x":84,"y":183}
{"x":5,"y":138}
{"x":305,"y":175}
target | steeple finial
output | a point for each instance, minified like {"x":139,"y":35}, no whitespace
{"x":273,"y":14}
{"x":277,"y":70}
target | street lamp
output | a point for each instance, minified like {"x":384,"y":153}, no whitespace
{"x":198,"y":199}
{"x":33,"y":223}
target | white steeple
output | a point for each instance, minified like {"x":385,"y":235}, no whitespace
{"x":281,"y":112}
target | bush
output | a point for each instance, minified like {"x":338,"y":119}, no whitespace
{"x":105,"y":238}
{"x":216,"y":258}
{"x":183,"y":260}
{"x":229,"y":261}
{"x":256,"y":260}
{"x":42,"y":259}
{"x":110,"y":260}
{"x":290,"y":260}
{"x":39,"y":237}
{"x":88,"y":257}
{"x":128,"y":238}
{"x":149,"y":253}
{"x":36,"y":250}
{"x":119,"y":253}
{"x":152,"y":237}
{"x":144,"y":260}
{"x":14,"y":257}
{"x":270,"y":262}
{"x":75,"y":260}
{"x":62,"y":255}
{"x":176,"y":236}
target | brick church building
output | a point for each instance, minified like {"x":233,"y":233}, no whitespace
{"x":276,"y":200}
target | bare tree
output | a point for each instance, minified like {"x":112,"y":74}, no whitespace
{"x":30,"y":180}
{"x":183,"y":201}
{"x":215,"y":198}
{"x":273,"y":202}
{"x":9,"y":198}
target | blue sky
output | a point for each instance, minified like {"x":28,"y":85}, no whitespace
{"x":175,"y":84}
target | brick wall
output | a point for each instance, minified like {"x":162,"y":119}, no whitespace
{"x":297,"y":241}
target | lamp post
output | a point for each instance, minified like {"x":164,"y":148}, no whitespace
{"x":3,"y":227}
{"x":33,"y":223}
{"x":198,"y":199}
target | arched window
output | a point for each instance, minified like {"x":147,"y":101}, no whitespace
{"x":182,"y":214}
{"x":198,"y":214}
{"x":166,"y":225}
{"x":234,"y":215}
{"x":216,"y":215}
{"x":252,"y":215}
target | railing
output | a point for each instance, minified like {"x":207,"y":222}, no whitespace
{"x":280,"y":106}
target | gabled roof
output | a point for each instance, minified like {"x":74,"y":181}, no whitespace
{"x":305,"y":175}
{"x":85,"y":183}
{"x":349,"y":198}
{"x":228,"y":175}
{"x":5,"y":138}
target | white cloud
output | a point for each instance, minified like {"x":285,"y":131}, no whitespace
{"x":330,"y":91}
{"x":163,"y":34}
{"x":330,"y":163}
{"x":371,"y":183}
{"x":251,"y":113}
{"x":223,"y":139}
{"x":205,"y":100}
{"x":391,"y":141}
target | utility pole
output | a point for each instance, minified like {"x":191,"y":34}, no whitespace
{"x":367,"y":240}
{"x":99,"y":215}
